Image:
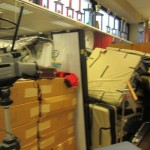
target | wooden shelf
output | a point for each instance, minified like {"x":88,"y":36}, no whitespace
{"x":37,"y":19}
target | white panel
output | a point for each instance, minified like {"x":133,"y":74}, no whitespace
{"x":68,"y":45}
{"x":110,"y":76}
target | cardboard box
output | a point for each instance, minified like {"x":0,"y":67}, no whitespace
{"x":24,"y":91}
{"x":57,"y":104}
{"x":54,"y":87}
{"x":55,"y":122}
{"x":25,"y":133}
{"x":67,"y":145}
{"x":21,"y":114}
{"x":50,"y":141}
{"x":31,"y":146}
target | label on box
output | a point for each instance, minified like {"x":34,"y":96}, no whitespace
{"x":47,"y":142}
{"x":70,"y":130}
{"x":46,"y":89}
{"x":46,"y":108}
{"x":31,"y":92}
{"x":34,"y":111}
{"x":70,"y":116}
{"x":32,"y":145}
{"x":74,"y":101}
{"x":30,"y":132}
{"x":70,"y":141}
{"x":34,"y":148}
{"x":44,"y":125}
{"x":60,"y":147}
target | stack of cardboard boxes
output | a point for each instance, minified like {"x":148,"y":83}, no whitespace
{"x":56,"y":122}
{"x":42,"y":115}
{"x":24,"y":114}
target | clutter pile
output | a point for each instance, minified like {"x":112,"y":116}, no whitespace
{"x":116,"y":78}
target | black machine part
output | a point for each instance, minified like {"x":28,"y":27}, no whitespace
{"x":12,"y":69}
{"x":138,"y":137}
{"x":10,"y":142}
{"x":9,"y":72}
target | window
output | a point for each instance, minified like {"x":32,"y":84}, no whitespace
{"x":117,"y":24}
{"x":52,"y":5}
{"x":111,"y":23}
{"x":105,"y":22}
{"x":75,"y":6}
{"x":44,"y":3}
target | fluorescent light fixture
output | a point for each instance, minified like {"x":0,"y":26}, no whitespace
{"x":26,"y":29}
{"x":13,"y":8}
{"x":64,"y":24}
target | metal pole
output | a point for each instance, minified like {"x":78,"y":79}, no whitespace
{"x":7,"y":122}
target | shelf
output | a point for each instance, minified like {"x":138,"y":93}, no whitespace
{"x":37,"y":19}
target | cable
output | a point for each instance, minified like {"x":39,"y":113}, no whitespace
{"x":17,"y":27}
{"x":6,"y":28}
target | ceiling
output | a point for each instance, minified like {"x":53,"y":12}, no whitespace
{"x":132,"y":10}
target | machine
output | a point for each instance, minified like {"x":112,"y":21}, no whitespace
{"x":11,"y":69}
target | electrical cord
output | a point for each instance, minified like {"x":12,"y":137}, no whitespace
{"x":6,"y":28}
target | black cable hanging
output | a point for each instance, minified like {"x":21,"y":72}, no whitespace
{"x":7,"y":28}
{"x":16,"y":26}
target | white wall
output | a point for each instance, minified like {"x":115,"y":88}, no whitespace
{"x":68,"y":45}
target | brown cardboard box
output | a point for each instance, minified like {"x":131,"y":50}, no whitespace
{"x":67,"y":145}
{"x":21,"y":114}
{"x":50,"y":141}
{"x":55,"y":122}
{"x":57,"y":104}
{"x":25,"y":133}
{"x":24,"y":91}
{"x":54,"y":87}
{"x":31,"y":146}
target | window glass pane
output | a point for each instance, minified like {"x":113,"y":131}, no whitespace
{"x":52,"y":5}
{"x":75,"y":5}
{"x":66,"y":4}
{"x":111,"y":21}
{"x":99,"y":19}
{"x":105,"y":20}
{"x":84,"y":5}
{"x":117,"y":24}
{"x":45,"y":3}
